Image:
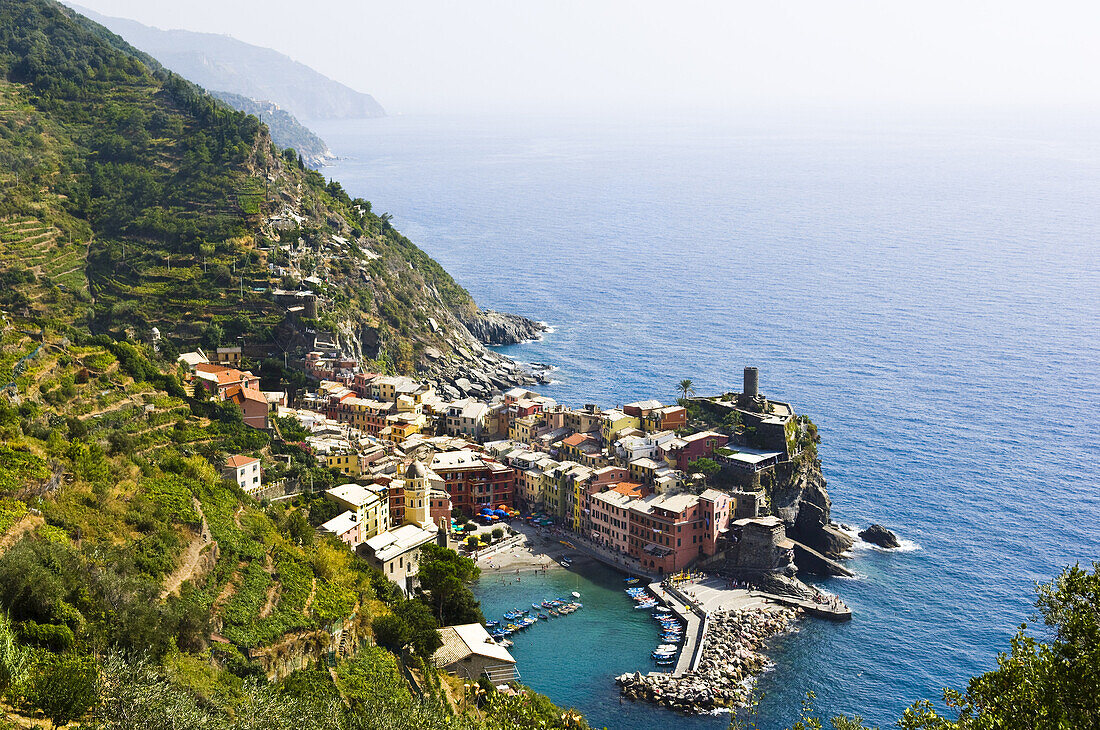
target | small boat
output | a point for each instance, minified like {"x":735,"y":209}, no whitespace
{"x":491,"y":624}
{"x":575,"y":594}
{"x":554,"y":613}
{"x":631,"y":581}
{"x":565,"y":562}
{"x":665,"y":662}
{"x":536,"y":606}
{"x":544,"y":616}
{"x":664,"y":609}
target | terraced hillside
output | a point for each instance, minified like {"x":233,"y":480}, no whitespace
{"x":132,"y":197}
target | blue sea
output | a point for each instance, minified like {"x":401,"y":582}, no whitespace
{"x":925,"y":290}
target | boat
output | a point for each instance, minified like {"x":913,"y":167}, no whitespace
{"x":631,"y":581}
{"x":575,"y":594}
{"x":535,"y":606}
{"x":665,"y":662}
{"x":664,"y":609}
{"x":544,"y":616}
{"x":554,"y":613}
{"x":491,"y":624}
{"x":565,"y":562}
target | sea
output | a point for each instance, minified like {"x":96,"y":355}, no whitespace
{"x":923,"y":286}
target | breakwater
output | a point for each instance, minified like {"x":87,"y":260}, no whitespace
{"x":730,"y":659}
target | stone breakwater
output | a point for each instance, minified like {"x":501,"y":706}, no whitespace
{"x":730,"y":660}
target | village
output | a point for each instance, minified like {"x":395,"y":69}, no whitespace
{"x":633,"y":482}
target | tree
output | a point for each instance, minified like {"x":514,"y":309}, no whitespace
{"x":705,"y":466}
{"x":498,"y":533}
{"x":443,"y":576}
{"x":391,"y":632}
{"x":424,"y":636}
{"x":64,"y":687}
{"x":686,"y":388}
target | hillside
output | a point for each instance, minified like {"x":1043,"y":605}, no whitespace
{"x":133,"y":200}
{"x":222,"y":63}
{"x":286,"y":130}
{"x":138,"y":587}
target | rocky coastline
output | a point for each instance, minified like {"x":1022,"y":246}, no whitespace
{"x":499,"y":328}
{"x":730,"y":661}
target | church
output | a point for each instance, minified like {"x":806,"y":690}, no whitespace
{"x":396,"y":552}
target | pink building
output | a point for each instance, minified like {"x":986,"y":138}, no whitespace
{"x":344,"y":526}
{"x":685,"y":450}
{"x":610,"y":519}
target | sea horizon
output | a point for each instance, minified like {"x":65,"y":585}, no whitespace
{"x":917,"y":292}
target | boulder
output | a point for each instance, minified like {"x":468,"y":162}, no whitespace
{"x":878,"y":535}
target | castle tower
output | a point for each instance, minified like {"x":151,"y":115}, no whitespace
{"x":417,"y":506}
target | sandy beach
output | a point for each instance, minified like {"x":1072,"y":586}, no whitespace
{"x":533,"y":552}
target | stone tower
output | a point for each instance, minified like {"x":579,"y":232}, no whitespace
{"x":417,"y":505}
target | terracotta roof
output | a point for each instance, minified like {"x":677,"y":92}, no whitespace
{"x":577,"y":439}
{"x":631,"y":489}
{"x":237,"y":461}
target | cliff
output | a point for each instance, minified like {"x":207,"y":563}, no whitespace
{"x":498,"y":328}
{"x":286,"y":130}
{"x":796,"y":493}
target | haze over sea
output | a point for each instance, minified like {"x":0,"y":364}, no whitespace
{"x":925,"y":292}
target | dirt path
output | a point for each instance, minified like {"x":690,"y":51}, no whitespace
{"x":230,"y":589}
{"x":191,"y":556}
{"x":20,"y":528}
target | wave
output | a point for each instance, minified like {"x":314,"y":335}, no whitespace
{"x":858,"y":543}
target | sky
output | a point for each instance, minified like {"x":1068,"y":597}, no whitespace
{"x":419,"y":56}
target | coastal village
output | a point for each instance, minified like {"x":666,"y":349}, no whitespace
{"x":641,"y":487}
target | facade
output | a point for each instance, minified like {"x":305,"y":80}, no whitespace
{"x":469,"y":653}
{"x":245,"y":471}
{"x":370,"y":505}
{"x":474,"y":481}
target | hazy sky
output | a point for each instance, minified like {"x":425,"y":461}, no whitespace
{"x":636,"y":54}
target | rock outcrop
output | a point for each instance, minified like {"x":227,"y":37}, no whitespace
{"x":499,"y":328}
{"x":796,"y":494}
{"x":878,"y":535}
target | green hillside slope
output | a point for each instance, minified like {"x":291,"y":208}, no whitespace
{"x":183,"y":216}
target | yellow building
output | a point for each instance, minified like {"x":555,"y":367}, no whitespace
{"x":348,"y":464}
{"x":614,"y":422}
{"x":370,"y":504}
{"x":522,"y":428}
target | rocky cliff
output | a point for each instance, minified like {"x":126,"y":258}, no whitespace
{"x":796,"y":494}
{"x":499,"y":328}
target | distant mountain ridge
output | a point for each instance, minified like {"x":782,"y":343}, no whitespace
{"x":223,"y":63}
{"x":286,"y":130}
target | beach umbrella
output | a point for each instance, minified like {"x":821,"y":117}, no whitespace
{"x":500,"y":513}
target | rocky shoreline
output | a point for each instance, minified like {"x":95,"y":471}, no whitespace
{"x":730,"y":661}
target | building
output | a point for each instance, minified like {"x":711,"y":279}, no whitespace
{"x":218,"y":379}
{"x":397,"y":553}
{"x":474,"y":481}
{"x":345,"y":527}
{"x":245,"y":471}
{"x":700,"y":445}
{"x":467,"y":417}
{"x":253,"y":404}
{"x":469,"y":653}
{"x":370,"y":505}
{"x":229,"y":356}
{"x":614,"y":422}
